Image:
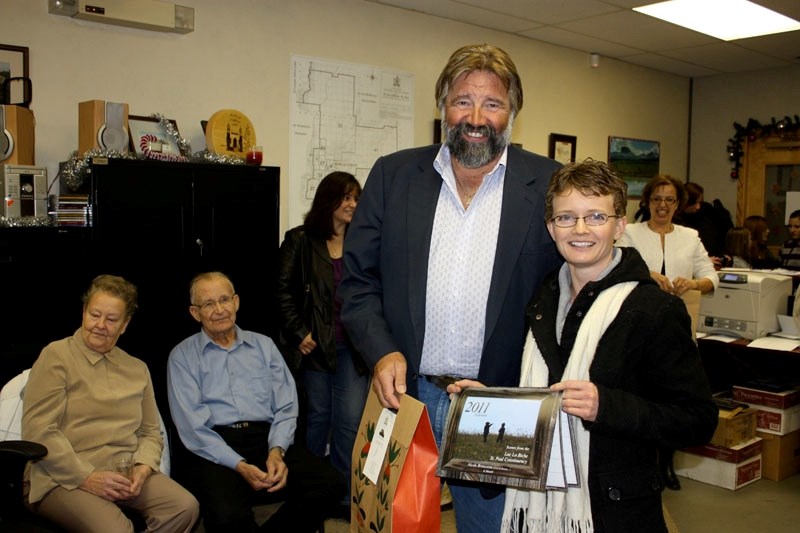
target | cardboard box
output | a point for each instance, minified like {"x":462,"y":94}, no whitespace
{"x":777,"y":421}
{"x":734,"y":427}
{"x":776,"y":400}
{"x":781,"y":455}
{"x":731,"y":476}
{"x":734,"y":454}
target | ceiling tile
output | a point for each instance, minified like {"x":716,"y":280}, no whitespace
{"x":550,"y":34}
{"x":726,"y":57}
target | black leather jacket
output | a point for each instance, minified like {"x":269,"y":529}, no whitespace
{"x":305,"y":294}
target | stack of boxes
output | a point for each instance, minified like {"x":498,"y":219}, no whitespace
{"x":733,"y":458}
{"x":778,"y":424}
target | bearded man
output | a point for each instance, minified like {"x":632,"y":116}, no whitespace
{"x":446,"y":247}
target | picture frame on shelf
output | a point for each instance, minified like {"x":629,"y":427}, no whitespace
{"x":14,"y":65}
{"x":635,"y":160}
{"x":148,"y":136}
{"x":562,"y":148}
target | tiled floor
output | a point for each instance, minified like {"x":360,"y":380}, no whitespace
{"x":764,"y":506}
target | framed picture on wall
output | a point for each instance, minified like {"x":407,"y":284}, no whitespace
{"x":14,"y":66}
{"x":635,"y":160}
{"x":562,"y":148}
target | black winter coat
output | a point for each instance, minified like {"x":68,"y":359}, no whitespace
{"x":305,"y":295}
{"x":653,"y":391}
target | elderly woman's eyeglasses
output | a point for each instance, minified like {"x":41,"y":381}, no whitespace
{"x":595,"y":219}
{"x":669,"y":200}
{"x":210,"y":306}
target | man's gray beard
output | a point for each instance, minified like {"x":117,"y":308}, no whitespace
{"x":472,"y":154}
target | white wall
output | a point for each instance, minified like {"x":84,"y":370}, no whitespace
{"x":718,"y":102}
{"x":238,"y":57}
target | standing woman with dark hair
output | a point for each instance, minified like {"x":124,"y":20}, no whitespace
{"x":335,"y":377}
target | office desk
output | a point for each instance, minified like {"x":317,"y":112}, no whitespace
{"x":729,"y":363}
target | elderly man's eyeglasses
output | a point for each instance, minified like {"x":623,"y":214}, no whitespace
{"x":669,"y":200}
{"x":225,"y":302}
{"x":595,"y":219}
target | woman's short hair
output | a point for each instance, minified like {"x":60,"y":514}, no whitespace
{"x":330,"y":193}
{"x":485,"y":58}
{"x":590,"y":178}
{"x":115,"y":286}
{"x":659,"y":181}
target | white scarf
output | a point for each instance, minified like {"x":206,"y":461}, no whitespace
{"x":570,"y":511}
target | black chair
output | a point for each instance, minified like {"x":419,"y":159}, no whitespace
{"x":14,"y":516}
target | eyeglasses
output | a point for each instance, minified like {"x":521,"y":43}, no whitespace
{"x":595,"y":219}
{"x":669,"y":200}
{"x":210,"y":306}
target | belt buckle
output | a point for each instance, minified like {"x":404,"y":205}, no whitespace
{"x":443,"y":381}
{"x":240,"y":425}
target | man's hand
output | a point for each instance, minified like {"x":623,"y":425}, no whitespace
{"x":580,"y":398}
{"x":462,"y":384}
{"x":107,"y":485}
{"x":389,"y":379}
{"x":277,"y":472}
{"x":255,"y":477}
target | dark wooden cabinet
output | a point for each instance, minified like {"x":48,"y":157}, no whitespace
{"x":156,"y":224}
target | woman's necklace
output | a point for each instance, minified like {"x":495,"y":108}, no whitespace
{"x":335,"y":246}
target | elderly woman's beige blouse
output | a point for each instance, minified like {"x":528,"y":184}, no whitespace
{"x":87,"y":408}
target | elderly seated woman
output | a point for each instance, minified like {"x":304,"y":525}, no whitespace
{"x":91,"y":404}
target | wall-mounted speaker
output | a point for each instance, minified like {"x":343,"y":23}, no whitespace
{"x":102,"y":125}
{"x":17,"y":140}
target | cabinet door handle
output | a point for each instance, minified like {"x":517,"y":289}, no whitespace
{"x":200,"y":244}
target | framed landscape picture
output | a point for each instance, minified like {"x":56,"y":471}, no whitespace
{"x":505,"y":436}
{"x":635,"y":160}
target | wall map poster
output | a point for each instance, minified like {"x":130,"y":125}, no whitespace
{"x":344,"y":116}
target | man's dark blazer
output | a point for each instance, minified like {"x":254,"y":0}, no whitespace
{"x":386,"y":260}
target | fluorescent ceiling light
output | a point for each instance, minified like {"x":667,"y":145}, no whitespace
{"x":723,"y":19}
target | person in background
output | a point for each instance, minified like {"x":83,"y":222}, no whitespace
{"x":677,"y":259}
{"x":445,"y":249}
{"x":234,"y":404}
{"x":711,"y":223}
{"x":760,"y":254}
{"x":336,"y":379}
{"x":737,"y":248}
{"x":621,"y":352}
{"x":91,"y":404}
{"x":790,"y":251}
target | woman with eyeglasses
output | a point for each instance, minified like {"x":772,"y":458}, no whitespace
{"x":677,"y":259}
{"x":92,"y":405}
{"x":621,"y":352}
{"x":335,"y":378}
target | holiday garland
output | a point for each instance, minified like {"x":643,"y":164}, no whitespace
{"x":74,"y":171}
{"x":753,"y":130}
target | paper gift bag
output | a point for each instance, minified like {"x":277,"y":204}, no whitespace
{"x":394,"y":483}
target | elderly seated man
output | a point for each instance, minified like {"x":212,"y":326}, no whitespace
{"x":235,"y":406}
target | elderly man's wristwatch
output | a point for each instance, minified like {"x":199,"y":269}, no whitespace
{"x":280,"y":451}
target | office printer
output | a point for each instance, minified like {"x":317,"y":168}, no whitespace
{"x":746,"y":304}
